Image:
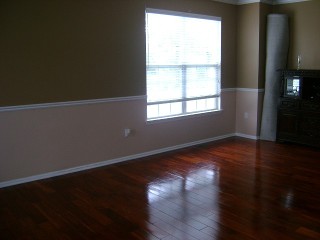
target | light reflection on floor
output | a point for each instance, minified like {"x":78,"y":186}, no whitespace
{"x":177,"y":202}
{"x":289,"y":198}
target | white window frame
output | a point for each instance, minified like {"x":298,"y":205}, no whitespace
{"x":184,"y":68}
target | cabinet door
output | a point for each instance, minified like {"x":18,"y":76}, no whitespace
{"x":310,"y":128}
{"x":288,"y":125}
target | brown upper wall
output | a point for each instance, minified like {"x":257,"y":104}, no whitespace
{"x":66,"y":50}
{"x":63,"y":50}
{"x":304,"y":18}
{"x":304,"y":23}
{"x":251,"y":44}
{"x":248,"y":45}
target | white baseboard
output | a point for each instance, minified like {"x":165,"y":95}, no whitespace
{"x":111,"y":161}
{"x":247,"y":136}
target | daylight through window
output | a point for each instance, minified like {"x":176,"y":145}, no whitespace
{"x":183,"y":57}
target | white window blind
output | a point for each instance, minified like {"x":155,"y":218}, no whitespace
{"x":183,"y":58}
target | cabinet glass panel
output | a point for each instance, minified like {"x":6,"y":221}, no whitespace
{"x":292,"y":87}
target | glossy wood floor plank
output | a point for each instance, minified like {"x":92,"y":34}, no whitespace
{"x":230,"y":189}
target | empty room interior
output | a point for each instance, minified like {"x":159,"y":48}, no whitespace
{"x":83,"y":154}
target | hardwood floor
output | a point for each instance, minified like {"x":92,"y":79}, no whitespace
{"x":230,"y":189}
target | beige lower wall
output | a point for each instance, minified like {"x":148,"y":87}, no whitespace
{"x":41,"y":140}
{"x":249,"y":104}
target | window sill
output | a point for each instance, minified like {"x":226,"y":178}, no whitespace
{"x":182,"y":117}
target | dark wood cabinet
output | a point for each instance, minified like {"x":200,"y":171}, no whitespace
{"x":299,"y":107}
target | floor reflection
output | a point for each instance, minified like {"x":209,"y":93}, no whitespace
{"x":288,"y":200}
{"x":179,"y":201}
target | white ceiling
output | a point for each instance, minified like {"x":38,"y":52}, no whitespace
{"x":273,"y":2}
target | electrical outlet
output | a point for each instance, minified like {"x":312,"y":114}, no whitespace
{"x":127,"y":132}
{"x":246,"y":115}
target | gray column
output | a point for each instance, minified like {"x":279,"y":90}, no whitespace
{"x":276,"y":58}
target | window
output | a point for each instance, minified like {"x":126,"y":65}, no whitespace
{"x":183,"y":63}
